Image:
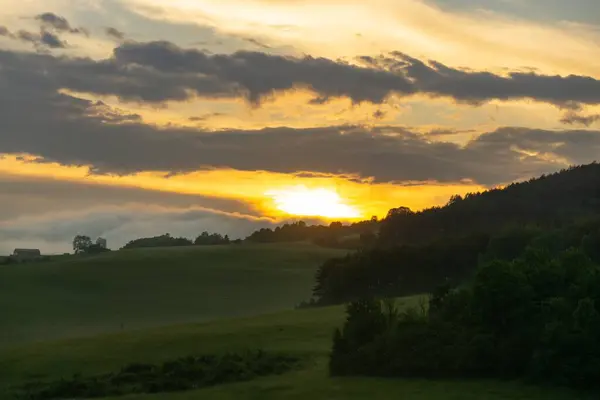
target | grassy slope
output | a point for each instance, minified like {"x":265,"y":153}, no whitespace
{"x":143,"y":288}
{"x":303,"y":331}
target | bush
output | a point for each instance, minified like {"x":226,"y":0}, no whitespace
{"x":178,"y":375}
{"x":535,"y":317}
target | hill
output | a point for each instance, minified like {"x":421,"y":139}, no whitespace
{"x":305,"y":332}
{"x":415,"y":252}
{"x":547,"y":201}
{"x":140,"y":288}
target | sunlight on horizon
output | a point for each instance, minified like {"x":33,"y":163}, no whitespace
{"x":318,"y":202}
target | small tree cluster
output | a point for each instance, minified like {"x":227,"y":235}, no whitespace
{"x":534,"y":317}
{"x":165,"y":240}
{"x":333,"y":235}
{"x":83,"y":244}
{"x":211,"y":239}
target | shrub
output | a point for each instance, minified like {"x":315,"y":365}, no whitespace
{"x":535,"y":317}
{"x":178,"y":375}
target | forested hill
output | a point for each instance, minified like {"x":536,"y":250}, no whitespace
{"x":548,"y":201}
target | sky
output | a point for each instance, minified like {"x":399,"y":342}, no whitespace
{"x":133,"y":118}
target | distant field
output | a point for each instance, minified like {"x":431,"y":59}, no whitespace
{"x":307,"y":332}
{"x":134,"y":289}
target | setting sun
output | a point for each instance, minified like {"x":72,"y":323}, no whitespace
{"x":320,"y":202}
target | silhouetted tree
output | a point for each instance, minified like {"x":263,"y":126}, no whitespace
{"x":208,"y":239}
{"x":81,"y":243}
{"x":165,"y":240}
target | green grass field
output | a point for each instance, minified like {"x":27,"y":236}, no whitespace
{"x":306,"y":332}
{"x":160,"y":286}
{"x":134,"y":289}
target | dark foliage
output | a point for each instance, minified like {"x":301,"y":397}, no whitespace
{"x":548,"y":201}
{"x":412,"y":269}
{"x":165,"y":240}
{"x":211,"y":239}
{"x":96,"y":249}
{"x":536,"y":317}
{"x":179,"y":375}
{"x":336,"y":234}
{"x":81,"y":243}
{"x":6,"y":260}
{"x":397,"y":271}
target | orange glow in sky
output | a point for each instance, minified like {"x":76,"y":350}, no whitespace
{"x":319,"y":202}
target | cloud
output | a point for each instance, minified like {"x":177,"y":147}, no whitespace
{"x":73,"y":131}
{"x":51,"y":40}
{"x":256,"y":42}
{"x":41,"y":41}
{"x":23,"y":196}
{"x":114,"y":33}
{"x":60,"y":24}
{"x":474,"y":87}
{"x":161,"y":71}
{"x":205,"y":117}
{"x":260,"y":75}
{"x":484,"y":40}
{"x":53,"y":233}
{"x":27,"y":36}
{"x":4,"y":31}
{"x":572,"y":118}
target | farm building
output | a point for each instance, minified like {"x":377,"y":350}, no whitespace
{"x":26,"y":254}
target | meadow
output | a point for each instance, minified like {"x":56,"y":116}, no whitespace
{"x":218,"y":283}
{"x":304,"y":332}
{"x":75,"y":296}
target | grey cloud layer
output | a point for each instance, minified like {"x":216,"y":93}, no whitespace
{"x":28,"y":197}
{"x":53,"y":233}
{"x":48,"y":214}
{"x":80,"y":132}
{"x":260,"y":74}
{"x":161,"y":71}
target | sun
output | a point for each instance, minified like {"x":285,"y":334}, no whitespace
{"x":307,"y":202}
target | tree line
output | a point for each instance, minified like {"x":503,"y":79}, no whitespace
{"x":531,"y":311}
{"x":166,"y":240}
{"x":336,"y":234}
{"x":514,"y":277}
{"x":548,"y":201}
{"x":416,"y":251}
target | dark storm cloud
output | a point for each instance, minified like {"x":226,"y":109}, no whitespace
{"x":114,"y":33}
{"x":260,"y":75}
{"x":573,"y":118}
{"x":437,"y":79}
{"x":129,"y":82}
{"x":161,"y":71}
{"x":72,"y":131}
{"x":60,"y":24}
